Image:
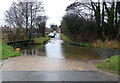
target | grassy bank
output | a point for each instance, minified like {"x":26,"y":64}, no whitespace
{"x":66,"y":39}
{"x":111,"y":65}
{"x":41,"y":40}
{"x":8,"y":52}
{"x":106,"y":44}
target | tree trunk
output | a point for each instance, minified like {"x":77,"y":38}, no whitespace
{"x":26,"y":17}
{"x":103,"y":15}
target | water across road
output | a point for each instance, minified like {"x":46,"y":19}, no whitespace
{"x":57,"y":56}
{"x":56,"y":48}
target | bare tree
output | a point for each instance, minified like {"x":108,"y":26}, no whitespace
{"x":23,"y":14}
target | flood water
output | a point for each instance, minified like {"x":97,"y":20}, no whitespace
{"x":56,"y":48}
{"x":57,"y":55}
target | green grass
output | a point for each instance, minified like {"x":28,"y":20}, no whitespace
{"x":85,"y":44}
{"x":41,"y":40}
{"x":8,"y":52}
{"x":111,"y":65}
{"x":65,"y":38}
{"x":55,"y":33}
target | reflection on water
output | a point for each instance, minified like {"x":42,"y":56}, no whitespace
{"x":56,"y":48}
{"x":33,"y":50}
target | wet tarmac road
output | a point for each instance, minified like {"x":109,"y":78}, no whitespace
{"x":58,"y":76}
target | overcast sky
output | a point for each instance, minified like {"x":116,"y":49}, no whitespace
{"x":55,"y":9}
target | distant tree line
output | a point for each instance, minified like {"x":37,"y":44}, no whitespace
{"x":88,"y":21}
{"x":53,"y":27}
{"x":27,"y":15}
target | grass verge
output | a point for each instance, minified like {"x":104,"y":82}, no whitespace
{"x":66,"y":39}
{"x":8,"y":52}
{"x":111,"y":65}
{"x":41,"y":40}
{"x":107,"y":44}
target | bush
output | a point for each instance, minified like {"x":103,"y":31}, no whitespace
{"x":78,"y":29}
